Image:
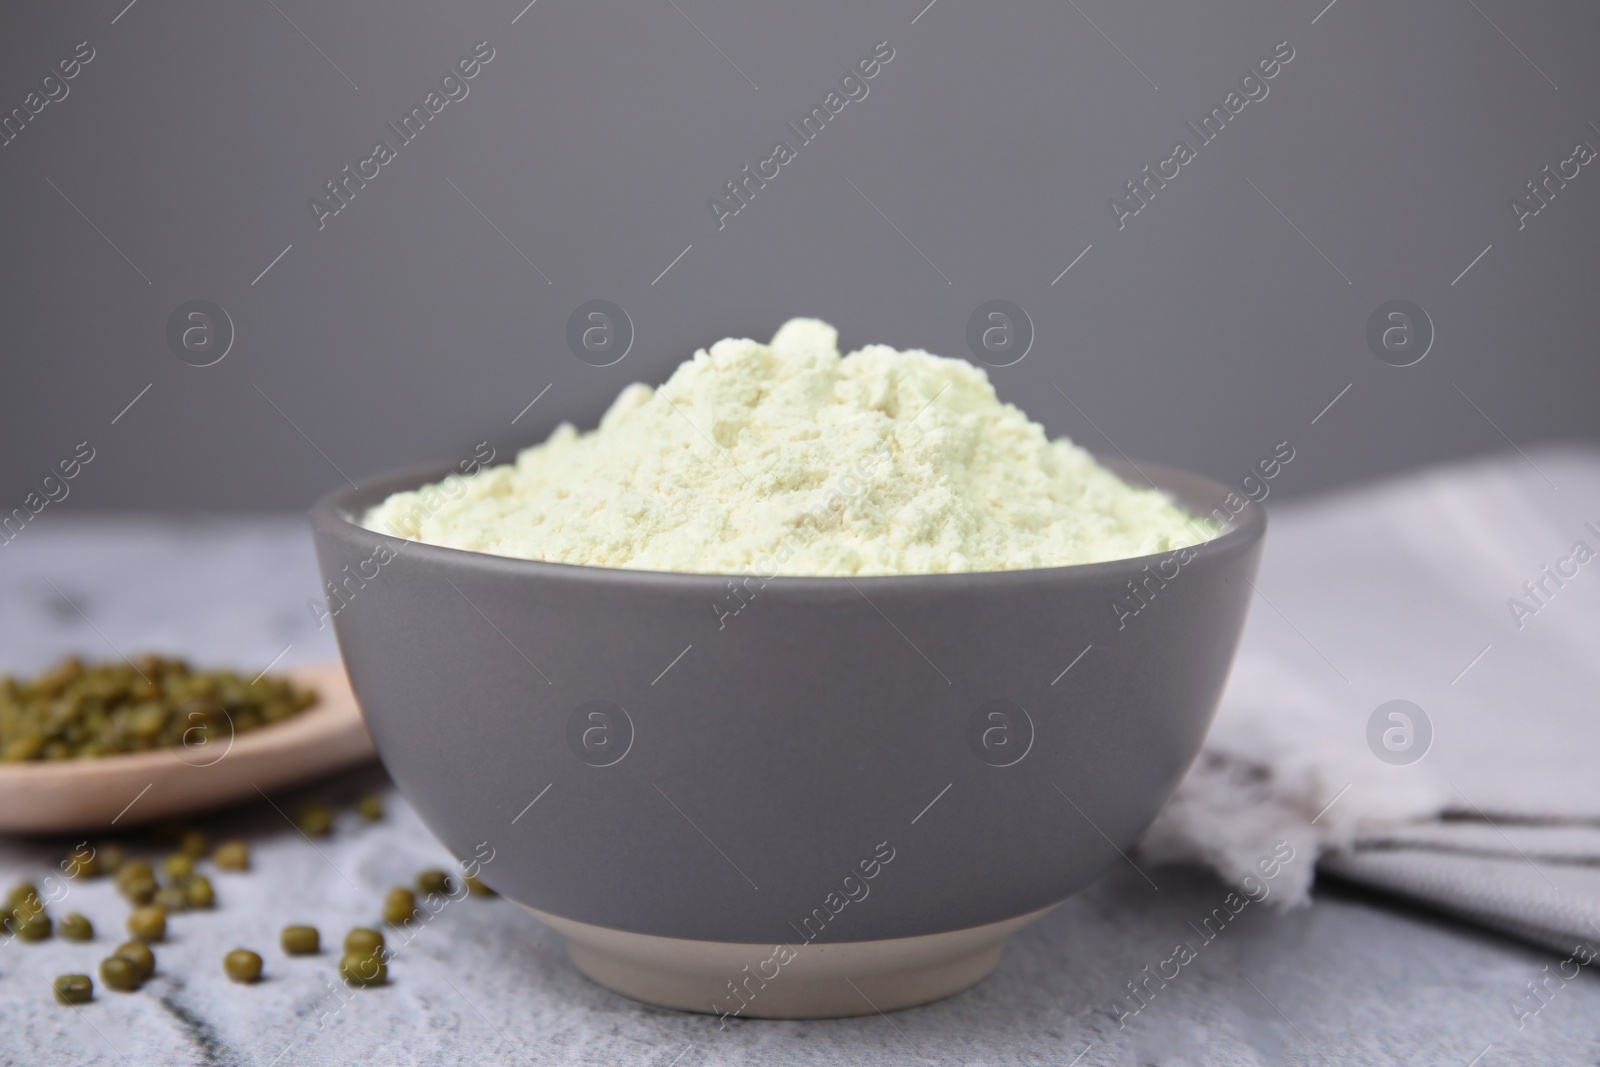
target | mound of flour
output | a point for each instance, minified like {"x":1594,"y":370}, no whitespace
{"x":788,"y":459}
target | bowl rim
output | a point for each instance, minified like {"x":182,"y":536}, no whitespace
{"x":334,"y":514}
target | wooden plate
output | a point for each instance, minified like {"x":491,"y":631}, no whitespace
{"x":62,"y":796}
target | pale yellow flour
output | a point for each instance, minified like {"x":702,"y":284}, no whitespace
{"x":788,"y":459}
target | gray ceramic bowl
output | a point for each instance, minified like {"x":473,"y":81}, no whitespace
{"x":731,"y":795}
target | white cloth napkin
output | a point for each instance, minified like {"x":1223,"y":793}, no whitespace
{"x":1407,"y":590}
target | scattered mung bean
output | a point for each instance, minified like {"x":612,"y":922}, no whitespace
{"x":82,"y":862}
{"x":140,"y":890}
{"x":371,"y":807}
{"x":134,"y":869}
{"x":363,"y":969}
{"x":74,"y":989}
{"x":398,"y":906}
{"x":139,"y":954}
{"x":75,"y":927}
{"x":242,"y":965}
{"x":194,"y":844}
{"x":433,"y":880}
{"x":300,"y":940}
{"x":171,"y":898}
{"x":315,"y":820}
{"x":363,"y":941}
{"x":120,"y":973}
{"x":31,"y":926}
{"x":148,"y":923}
{"x":199,"y":892}
{"x":110,"y":857}
{"x":232,"y":856}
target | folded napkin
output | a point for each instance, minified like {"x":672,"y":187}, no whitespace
{"x":1472,"y":591}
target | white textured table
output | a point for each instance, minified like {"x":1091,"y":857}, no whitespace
{"x":1348,"y":981}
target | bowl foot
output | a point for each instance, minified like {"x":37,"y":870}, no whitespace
{"x":797,"y":981}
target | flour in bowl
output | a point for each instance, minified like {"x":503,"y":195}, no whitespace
{"x":786,"y":458}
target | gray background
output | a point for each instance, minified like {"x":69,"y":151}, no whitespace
{"x":406,"y":330}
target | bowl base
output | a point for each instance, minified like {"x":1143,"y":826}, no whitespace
{"x":806,"y":981}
